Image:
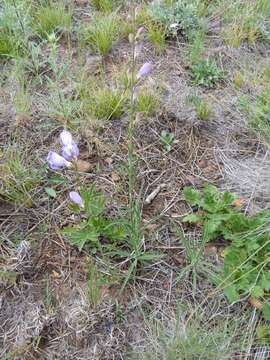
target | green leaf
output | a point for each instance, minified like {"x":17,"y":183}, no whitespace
{"x":51,"y":192}
{"x":211,"y":229}
{"x":79,"y":237}
{"x":257,"y":292}
{"x":192,"y":196}
{"x":192,"y":218}
{"x":231,"y":293}
{"x":266,"y":311}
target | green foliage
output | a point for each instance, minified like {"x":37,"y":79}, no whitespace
{"x":96,"y":280}
{"x":157,"y":35}
{"x":51,"y":18}
{"x":106,"y":5}
{"x":147,"y":101}
{"x":167,"y":139}
{"x":246,"y":261}
{"x":18,"y":177}
{"x":206,"y":73}
{"x":102,"y":101}
{"x":201,"y":106}
{"x":259,"y":115}
{"x":182,"y":12}
{"x":96,"y":231}
{"x":102,"y":33}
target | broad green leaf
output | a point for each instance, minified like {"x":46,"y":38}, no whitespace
{"x":257,"y":292}
{"x":51,"y":192}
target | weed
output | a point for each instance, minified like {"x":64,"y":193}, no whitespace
{"x":96,"y":226}
{"x":96,"y":281}
{"x":179,"y":12}
{"x":167,"y":139}
{"x":52,"y":18}
{"x":197,"y":47}
{"x":206,"y":73}
{"x":246,"y":263}
{"x":239,"y":80}
{"x":102,"y":33}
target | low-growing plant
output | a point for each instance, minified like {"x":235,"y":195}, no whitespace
{"x":206,"y":73}
{"x":246,"y":258}
{"x":157,"y":36}
{"x":96,"y":231}
{"x":18,"y":178}
{"x":102,"y":33}
{"x":202,"y":107}
{"x":167,"y":139}
{"x":106,"y":5}
{"x":180,"y":12}
{"x":54,"y":17}
{"x":147,"y":101}
{"x":101,"y":101}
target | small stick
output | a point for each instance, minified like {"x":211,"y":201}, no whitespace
{"x":154,"y":193}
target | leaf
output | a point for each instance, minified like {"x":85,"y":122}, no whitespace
{"x":266,"y":310}
{"x":51,"y":192}
{"x":192,"y":218}
{"x":211,"y":229}
{"x":231,"y":293}
{"x":79,"y":237}
{"x":257,"y":292}
{"x":193,"y":197}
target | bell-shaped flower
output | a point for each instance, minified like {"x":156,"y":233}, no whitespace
{"x":70,"y":148}
{"x":146,"y":69}
{"x":57,"y":161}
{"x":76,"y":198}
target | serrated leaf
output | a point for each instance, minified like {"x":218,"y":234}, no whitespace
{"x":51,"y":192}
{"x":79,"y":237}
{"x":210,"y":229}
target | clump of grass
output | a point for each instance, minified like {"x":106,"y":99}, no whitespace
{"x":157,"y":36}
{"x":202,"y":107}
{"x":239,"y":80}
{"x":247,"y":22}
{"x":52,"y":18}
{"x":147,"y":102}
{"x":101,"y":101}
{"x":18,"y":177}
{"x":102,"y":33}
{"x":8,"y":44}
{"x":197,"y":47}
{"x":106,"y":5}
{"x":206,"y":73}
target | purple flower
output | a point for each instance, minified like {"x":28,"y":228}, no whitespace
{"x":146,"y":69}
{"x":70,"y":148}
{"x":76,"y":198}
{"x":57,"y":161}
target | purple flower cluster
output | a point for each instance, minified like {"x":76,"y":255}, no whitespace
{"x":70,"y":151}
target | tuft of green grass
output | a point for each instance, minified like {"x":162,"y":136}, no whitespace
{"x":54,"y":17}
{"x":202,"y":107}
{"x":101,"y":101}
{"x":8,"y":45}
{"x":157,"y":36}
{"x":102,"y":33}
{"x":147,"y":102}
{"x":107,"y":6}
{"x":206,"y":73}
{"x":19,"y":178}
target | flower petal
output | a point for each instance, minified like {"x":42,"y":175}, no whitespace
{"x":76,"y":198}
{"x":146,"y":69}
{"x":57,"y":161}
{"x":66,"y":137}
